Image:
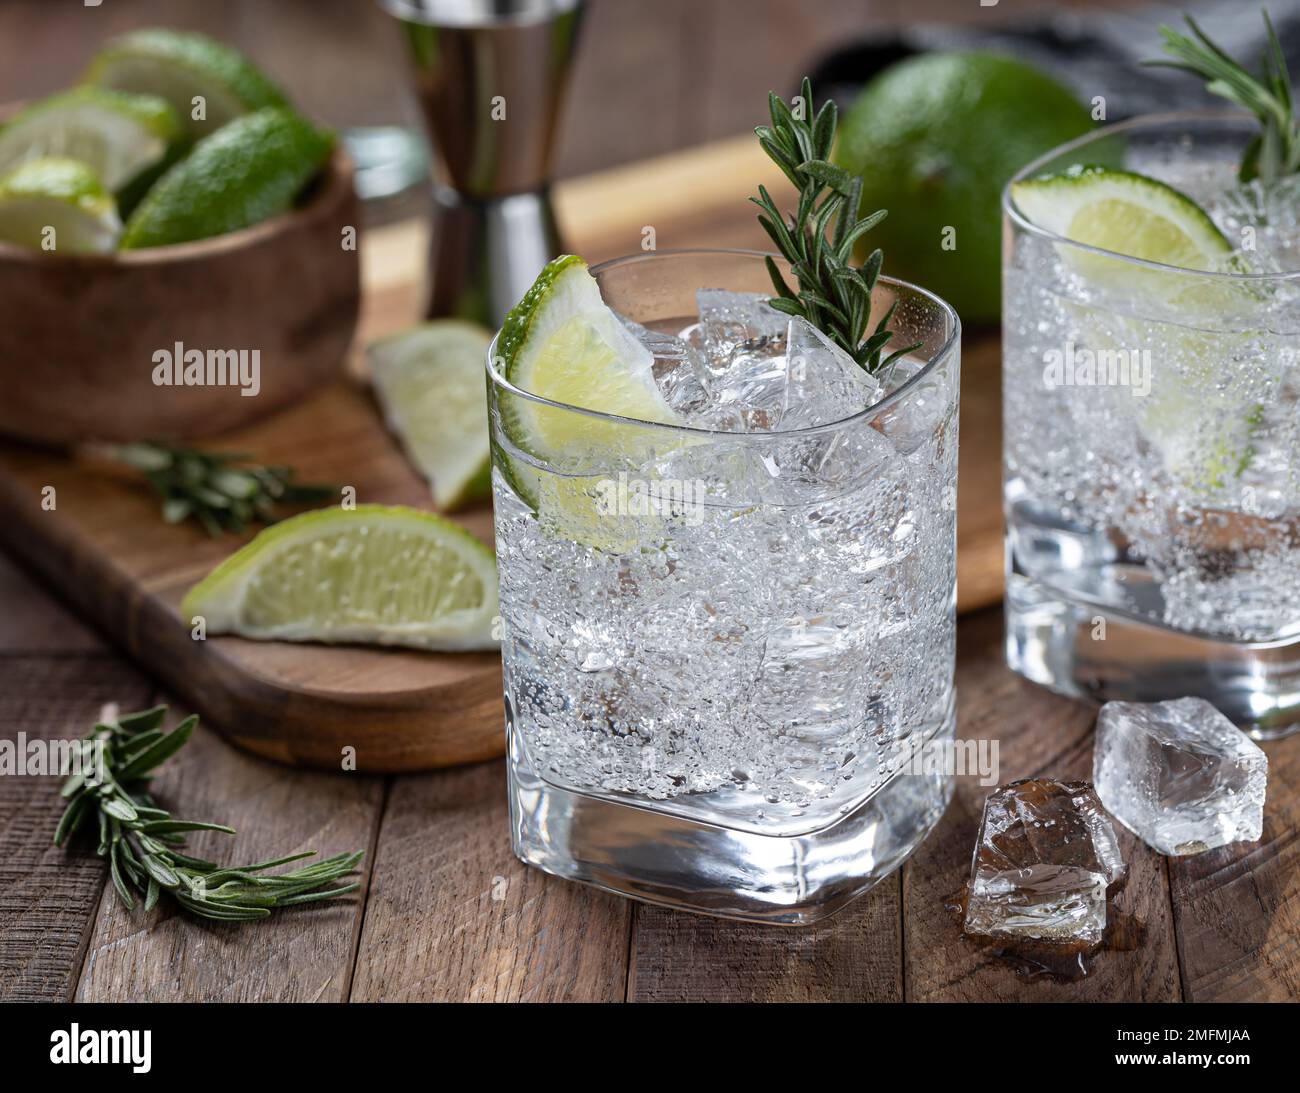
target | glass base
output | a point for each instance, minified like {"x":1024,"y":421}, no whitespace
{"x":676,"y":862}
{"x":1088,"y":651}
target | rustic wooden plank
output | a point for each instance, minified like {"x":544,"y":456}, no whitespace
{"x":48,"y":896}
{"x":302,"y":955}
{"x":454,"y":916}
{"x":1238,"y":907}
{"x":1038,"y":733}
{"x":854,"y":956}
{"x":34,"y":622}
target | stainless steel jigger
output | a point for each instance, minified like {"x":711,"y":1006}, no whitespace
{"x":490,"y":75}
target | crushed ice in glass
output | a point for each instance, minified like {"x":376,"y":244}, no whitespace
{"x":1045,"y":862}
{"x":745,"y":367}
{"x":1179,"y":774}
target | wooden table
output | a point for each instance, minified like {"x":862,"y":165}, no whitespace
{"x":447,"y":913}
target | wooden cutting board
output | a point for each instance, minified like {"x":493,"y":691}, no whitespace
{"x":103,"y":546}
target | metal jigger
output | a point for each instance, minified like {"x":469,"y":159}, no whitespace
{"x":490,"y":75}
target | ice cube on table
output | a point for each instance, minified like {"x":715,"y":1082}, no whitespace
{"x":678,"y":368}
{"x":1045,"y":861}
{"x":1179,"y":774}
{"x":728,"y":320}
{"x":825,"y":384}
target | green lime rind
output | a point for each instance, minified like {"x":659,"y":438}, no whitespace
{"x":918,"y":135}
{"x":1125,"y":213}
{"x":245,"y":173}
{"x":62,"y":194}
{"x":376,"y":574}
{"x":181,"y":66}
{"x":115,"y":133}
{"x":429,"y":380}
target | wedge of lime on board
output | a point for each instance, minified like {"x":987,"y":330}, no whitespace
{"x":373,"y":575}
{"x":430,"y":381}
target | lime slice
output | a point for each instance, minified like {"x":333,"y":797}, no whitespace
{"x":375,"y":575}
{"x":241,"y":175}
{"x":116,"y":134}
{"x":1204,"y":436}
{"x":563,"y":343}
{"x":430,"y":383}
{"x":1126,"y":213}
{"x":195,"y":74}
{"x":57,"y":205}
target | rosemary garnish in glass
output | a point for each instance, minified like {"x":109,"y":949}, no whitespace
{"x":1273,"y":154}
{"x":818,"y":241}
{"x":222,"y":491}
{"x":108,"y":791}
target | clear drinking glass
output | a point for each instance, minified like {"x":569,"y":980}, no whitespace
{"x":1152,"y":442}
{"x":712,"y":699}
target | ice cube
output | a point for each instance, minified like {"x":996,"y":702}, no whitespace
{"x":1179,"y":774}
{"x":730,"y":319}
{"x":749,"y":394}
{"x":916,"y":418}
{"x":678,"y":368}
{"x":825,"y":383}
{"x":1045,"y":861}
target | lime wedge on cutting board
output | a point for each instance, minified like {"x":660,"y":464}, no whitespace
{"x":192,"y":72}
{"x":62,"y":195}
{"x":373,"y":575}
{"x":430,"y":381}
{"x":117,"y":135}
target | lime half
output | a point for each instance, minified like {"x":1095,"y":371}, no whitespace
{"x":116,"y":134}
{"x":374,"y":575}
{"x":430,"y":384}
{"x":57,"y":205}
{"x":250,"y":171}
{"x":207,"y":82}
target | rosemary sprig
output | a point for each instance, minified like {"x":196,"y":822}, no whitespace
{"x":222,"y":491}
{"x":109,"y":793}
{"x":818,"y":240}
{"x":1273,"y":154}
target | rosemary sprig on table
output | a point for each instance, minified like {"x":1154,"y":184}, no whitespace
{"x":818,"y":240}
{"x":109,"y":793}
{"x":1273,"y":154}
{"x":222,"y":491}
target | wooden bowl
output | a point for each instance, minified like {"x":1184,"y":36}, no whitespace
{"x":81,"y":334}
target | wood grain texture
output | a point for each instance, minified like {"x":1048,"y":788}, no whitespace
{"x":47,"y":895}
{"x":453,"y":915}
{"x":301,"y":955}
{"x":854,"y":956}
{"x":1038,"y":734}
{"x":1238,"y":907}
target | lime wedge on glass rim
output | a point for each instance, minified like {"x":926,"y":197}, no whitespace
{"x":1201,"y":440}
{"x":116,"y":134}
{"x":194,"y":73}
{"x":59,"y":205}
{"x":374,"y":575}
{"x":430,"y":385}
{"x":563,"y":343}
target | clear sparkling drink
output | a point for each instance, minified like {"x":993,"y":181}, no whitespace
{"x":1152,"y":442}
{"x":721,"y":638}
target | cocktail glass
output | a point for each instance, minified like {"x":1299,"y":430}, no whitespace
{"x":724,"y":651}
{"x":1152,"y":442}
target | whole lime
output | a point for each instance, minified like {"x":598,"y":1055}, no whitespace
{"x":935,"y":138}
